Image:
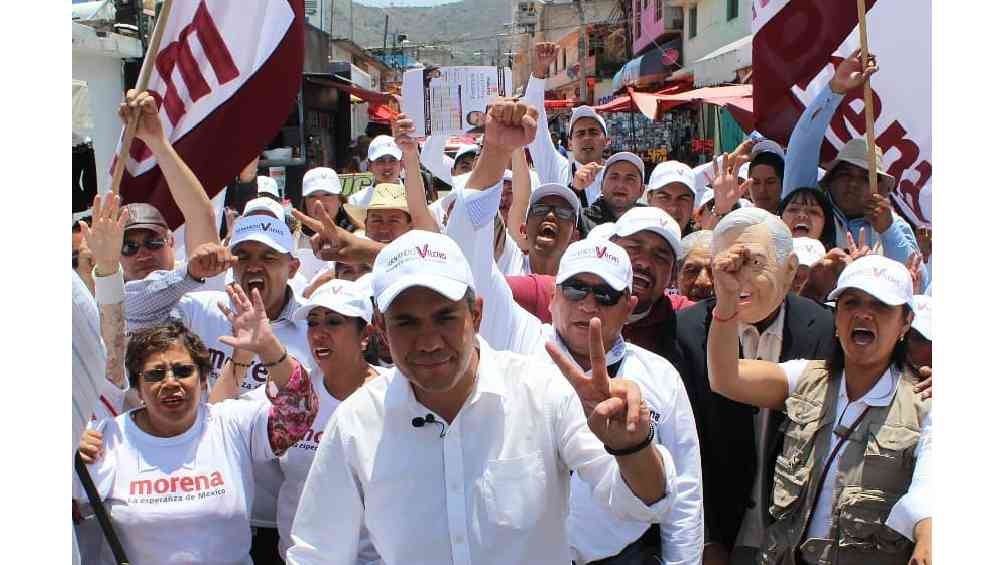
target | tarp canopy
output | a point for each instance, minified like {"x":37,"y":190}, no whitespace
{"x":347,"y":86}
{"x":738,"y":100}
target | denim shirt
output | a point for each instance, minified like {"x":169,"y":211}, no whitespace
{"x":800,"y":170}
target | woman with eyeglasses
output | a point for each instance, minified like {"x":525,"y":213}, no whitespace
{"x":175,"y":473}
{"x":852,"y":481}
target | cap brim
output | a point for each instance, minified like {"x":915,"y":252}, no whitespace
{"x":886,"y":298}
{"x":154,"y":227}
{"x":301,"y":313}
{"x":451,"y":289}
{"x":667,"y":235}
{"x":616,"y":285}
{"x":383,"y":153}
{"x":567,"y":195}
{"x":260,"y":239}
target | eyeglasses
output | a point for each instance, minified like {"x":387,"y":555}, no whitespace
{"x":130,"y":248}
{"x":605,"y":294}
{"x":178,"y":370}
{"x":562,"y":212}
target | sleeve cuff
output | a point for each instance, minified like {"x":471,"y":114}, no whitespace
{"x":624,"y":501}
{"x":483,"y":205}
{"x":906,"y":513}
{"x":109,"y":289}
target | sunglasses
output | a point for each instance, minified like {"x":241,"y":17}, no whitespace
{"x":130,"y":248}
{"x":562,"y":212}
{"x":605,"y":294}
{"x":178,"y":371}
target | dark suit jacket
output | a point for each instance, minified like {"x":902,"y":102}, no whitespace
{"x":725,"y":428}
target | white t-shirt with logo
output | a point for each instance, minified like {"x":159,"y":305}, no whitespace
{"x":187,"y":498}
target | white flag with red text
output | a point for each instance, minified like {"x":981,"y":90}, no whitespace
{"x":796,"y":47}
{"x":226,"y":77}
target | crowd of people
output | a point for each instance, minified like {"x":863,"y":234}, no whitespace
{"x":555,"y":362}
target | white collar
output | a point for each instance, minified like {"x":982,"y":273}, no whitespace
{"x":882,"y":391}
{"x":614,"y":355}
{"x":776,"y":328}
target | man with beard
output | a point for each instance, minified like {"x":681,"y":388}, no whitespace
{"x":587,"y":134}
{"x":622,"y":183}
{"x":594,"y":280}
{"x":738,"y":441}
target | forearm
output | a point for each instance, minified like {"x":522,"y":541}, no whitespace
{"x":294,"y":406}
{"x":723,"y":351}
{"x":110,"y":296}
{"x":520,"y":198}
{"x":644,"y":474}
{"x":149,"y":301}
{"x":228,"y":386}
{"x":414,"y":187}
{"x":802,"y":159}
{"x":490,"y":168}
{"x":189,"y":195}
{"x":546,"y":157}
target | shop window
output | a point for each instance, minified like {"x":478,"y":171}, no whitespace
{"x":731,"y":9}
{"x":692,"y":32}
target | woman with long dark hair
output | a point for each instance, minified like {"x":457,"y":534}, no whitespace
{"x":808,"y":213}
{"x":852,"y":482}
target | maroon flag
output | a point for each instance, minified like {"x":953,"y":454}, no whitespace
{"x":226,"y":77}
{"x":797,"y":45}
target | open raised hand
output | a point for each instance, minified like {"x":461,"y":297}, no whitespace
{"x":726,"y":183}
{"x":248,"y":321}
{"x":614,"y":409}
{"x":104,"y":235}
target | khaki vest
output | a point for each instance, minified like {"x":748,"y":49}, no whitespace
{"x":874,"y":471}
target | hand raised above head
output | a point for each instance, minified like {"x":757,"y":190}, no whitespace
{"x":509,"y":125}
{"x":851,"y":74}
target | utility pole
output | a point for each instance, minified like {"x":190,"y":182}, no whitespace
{"x":352,"y":22}
{"x":583,"y":93}
{"x":386,"y":20}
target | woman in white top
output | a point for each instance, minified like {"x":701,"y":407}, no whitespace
{"x":175,"y":473}
{"x":852,"y":482}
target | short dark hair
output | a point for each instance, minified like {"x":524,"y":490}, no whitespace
{"x":772,"y":160}
{"x":470,"y":298}
{"x":156,"y":339}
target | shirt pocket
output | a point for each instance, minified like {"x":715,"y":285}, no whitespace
{"x":791,"y":470}
{"x":515,"y":490}
{"x":889,"y":458}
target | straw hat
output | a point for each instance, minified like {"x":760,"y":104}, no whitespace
{"x":386,"y":196}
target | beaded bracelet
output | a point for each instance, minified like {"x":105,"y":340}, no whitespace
{"x":637,"y":448}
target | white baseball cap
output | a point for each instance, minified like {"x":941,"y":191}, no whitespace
{"x":669,"y":172}
{"x":555,"y":189}
{"x":602,"y":231}
{"x":420,"y":258}
{"x":656,"y":220}
{"x":263,"y":229}
{"x":604,"y":259}
{"x":265,"y":204}
{"x":883,"y":278}
{"x":767,"y":146}
{"x":630,"y":158}
{"x":268,"y":186}
{"x":465,"y":149}
{"x":808,"y":250}
{"x":383,"y":145}
{"x":345,"y":297}
{"x":922,"y":306}
{"x":321,"y":179}
{"x":586,"y":112}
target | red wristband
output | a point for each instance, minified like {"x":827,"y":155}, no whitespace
{"x":714,"y":314}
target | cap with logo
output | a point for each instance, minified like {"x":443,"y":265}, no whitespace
{"x":321,"y":179}
{"x":881,"y":277}
{"x":602,"y":231}
{"x":668,"y":172}
{"x":424,"y":259}
{"x":808,"y":250}
{"x":263,"y":229}
{"x":143,"y":216}
{"x":383,"y":145}
{"x":267,"y":185}
{"x":586,"y":112}
{"x":604,"y":259}
{"x":650,"y":218}
{"x":922,"y":306}
{"x":630,"y":158}
{"x":264,"y":204}
{"x":344,"y":297}
{"x":555,"y":189}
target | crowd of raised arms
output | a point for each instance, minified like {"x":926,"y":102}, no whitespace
{"x":554,"y":363}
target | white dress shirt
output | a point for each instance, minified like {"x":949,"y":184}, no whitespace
{"x":492,"y":488}
{"x":550,"y":164}
{"x":916,"y":504}
{"x":764,"y":346}
{"x":506,"y":326}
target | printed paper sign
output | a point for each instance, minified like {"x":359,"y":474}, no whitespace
{"x":452,"y":100}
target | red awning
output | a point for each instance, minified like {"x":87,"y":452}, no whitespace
{"x":558,"y":104}
{"x":381,"y":113}
{"x":619,"y":104}
{"x":346,"y":86}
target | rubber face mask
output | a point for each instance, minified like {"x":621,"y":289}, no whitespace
{"x":763,"y":280}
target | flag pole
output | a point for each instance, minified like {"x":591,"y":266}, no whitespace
{"x":141,"y":85}
{"x":869,"y":105}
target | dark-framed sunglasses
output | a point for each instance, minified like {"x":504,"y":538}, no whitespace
{"x":576,"y":291}
{"x":178,"y":370}
{"x":561,"y":212}
{"x":130,"y":248}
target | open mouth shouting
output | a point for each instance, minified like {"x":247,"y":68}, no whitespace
{"x":547,"y":232}
{"x":252,"y":282}
{"x":322,"y":353}
{"x":862,"y":337}
{"x":173,"y":401}
{"x":642,"y":281}
{"x":800,"y":230}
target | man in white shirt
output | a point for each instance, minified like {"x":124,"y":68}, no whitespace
{"x":462,"y":454}
{"x":385,"y":164}
{"x":551,"y":217}
{"x":587,"y":133}
{"x":594,"y":279}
